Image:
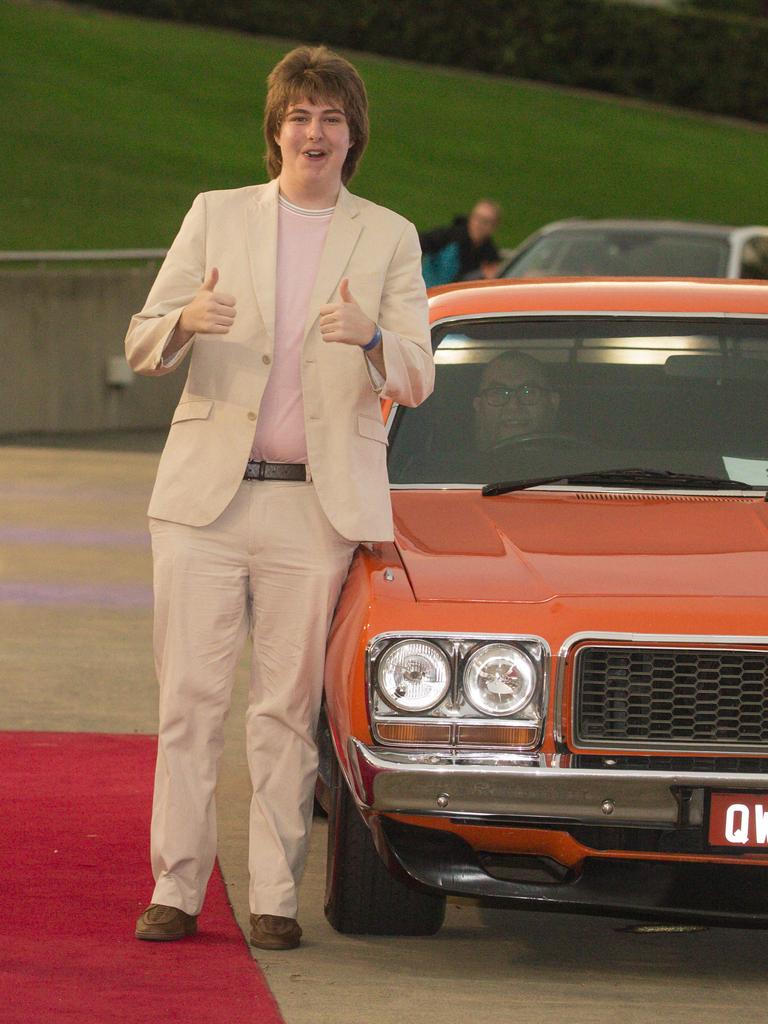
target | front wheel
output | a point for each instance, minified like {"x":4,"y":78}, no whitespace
{"x":361,"y":896}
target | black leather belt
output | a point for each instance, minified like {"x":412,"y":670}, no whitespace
{"x":275,"y":471}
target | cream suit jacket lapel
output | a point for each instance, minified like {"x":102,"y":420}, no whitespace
{"x":343,"y":233}
{"x":261,"y":227}
{"x":261,"y":230}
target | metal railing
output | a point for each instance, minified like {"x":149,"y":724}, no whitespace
{"x":79,"y":255}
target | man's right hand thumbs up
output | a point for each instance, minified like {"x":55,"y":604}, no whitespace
{"x":210,"y":312}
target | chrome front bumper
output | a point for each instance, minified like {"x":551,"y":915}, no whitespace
{"x":531,"y":787}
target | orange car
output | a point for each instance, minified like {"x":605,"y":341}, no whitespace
{"x":551,"y":690}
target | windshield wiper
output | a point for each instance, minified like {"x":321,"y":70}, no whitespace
{"x":632,"y":476}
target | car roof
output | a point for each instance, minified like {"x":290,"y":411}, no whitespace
{"x":599,"y":295}
{"x":630,"y":225}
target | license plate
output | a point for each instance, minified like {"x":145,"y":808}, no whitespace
{"x":739,"y":820}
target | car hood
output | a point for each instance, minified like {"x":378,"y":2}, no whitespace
{"x":536,"y":546}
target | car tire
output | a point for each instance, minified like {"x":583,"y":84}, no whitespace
{"x":362,"y":897}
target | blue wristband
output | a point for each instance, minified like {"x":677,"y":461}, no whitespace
{"x":375,"y":340}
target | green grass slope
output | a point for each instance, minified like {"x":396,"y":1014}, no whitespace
{"x":111,"y":124}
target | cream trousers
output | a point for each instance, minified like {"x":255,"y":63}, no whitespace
{"x":271,"y":565}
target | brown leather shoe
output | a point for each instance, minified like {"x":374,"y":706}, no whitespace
{"x":163,"y":924}
{"x":271,"y":932}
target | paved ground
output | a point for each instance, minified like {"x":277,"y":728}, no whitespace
{"x":75,"y":624}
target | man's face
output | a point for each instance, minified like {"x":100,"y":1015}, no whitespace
{"x":514,"y":401}
{"x":482,"y":222}
{"x":314,"y":141}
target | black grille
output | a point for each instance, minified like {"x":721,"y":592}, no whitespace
{"x":642,"y":696}
{"x":675,"y":763}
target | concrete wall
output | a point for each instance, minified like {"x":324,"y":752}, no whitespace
{"x":59,"y":330}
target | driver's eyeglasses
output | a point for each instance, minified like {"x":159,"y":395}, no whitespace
{"x":526,"y":394}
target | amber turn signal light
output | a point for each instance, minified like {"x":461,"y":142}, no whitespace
{"x":407,"y":732}
{"x":497,"y":735}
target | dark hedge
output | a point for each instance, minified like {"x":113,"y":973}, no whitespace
{"x":701,"y":59}
{"x":751,"y":8}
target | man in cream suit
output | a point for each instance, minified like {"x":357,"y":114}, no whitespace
{"x":299,"y":306}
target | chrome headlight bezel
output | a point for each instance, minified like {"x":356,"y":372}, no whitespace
{"x":458,"y":719}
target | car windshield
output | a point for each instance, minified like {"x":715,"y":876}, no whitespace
{"x":602,"y":252}
{"x":519,"y":398}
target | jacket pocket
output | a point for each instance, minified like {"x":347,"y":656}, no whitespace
{"x":192,"y":411}
{"x":375,"y":429}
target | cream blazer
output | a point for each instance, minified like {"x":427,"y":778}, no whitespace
{"x":212,"y":429}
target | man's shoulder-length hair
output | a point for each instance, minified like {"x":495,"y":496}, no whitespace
{"x":316,"y":74}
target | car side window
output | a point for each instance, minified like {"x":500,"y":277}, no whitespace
{"x":754,"y":258}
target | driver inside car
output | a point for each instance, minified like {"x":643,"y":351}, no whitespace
{"x":515,"y":401}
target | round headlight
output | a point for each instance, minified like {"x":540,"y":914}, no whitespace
{"x":413,"y":675}
{"x":499,"y":679}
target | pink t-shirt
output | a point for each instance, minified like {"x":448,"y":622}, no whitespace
{"x":280,"y":434}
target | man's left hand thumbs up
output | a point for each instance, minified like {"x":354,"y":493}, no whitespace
{"x":344,"y":321}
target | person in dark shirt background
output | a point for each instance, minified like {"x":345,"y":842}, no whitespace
{"x":464,"y":248}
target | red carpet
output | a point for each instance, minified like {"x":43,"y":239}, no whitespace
{"x":74,"y":875}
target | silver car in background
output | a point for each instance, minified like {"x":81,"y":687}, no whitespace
{"x":640,"y":248}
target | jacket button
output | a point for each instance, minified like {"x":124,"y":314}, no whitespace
{"x":251,"y":415}
{"x":266,"y":360}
